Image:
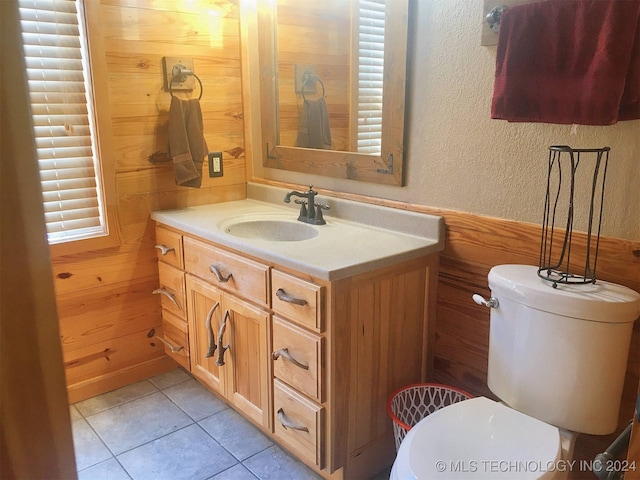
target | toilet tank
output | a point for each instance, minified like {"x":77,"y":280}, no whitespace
{"x":560,"y":354}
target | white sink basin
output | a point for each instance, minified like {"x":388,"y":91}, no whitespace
{"x":270,"y":229}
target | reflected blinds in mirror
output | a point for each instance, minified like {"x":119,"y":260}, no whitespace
{"x":371,"y":16}
{"x":57,"y":74}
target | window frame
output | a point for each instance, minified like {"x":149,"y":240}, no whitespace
{"x":90,"y":25}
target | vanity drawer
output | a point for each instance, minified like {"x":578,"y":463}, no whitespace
{"x":171,"y":290}
{"x":298,"y":300}
{"x":304,"y":421}
{"x":169,"y":247}
{"x":176,"y":336}
{"x":293,"y":350}
{"x":237,"y":274}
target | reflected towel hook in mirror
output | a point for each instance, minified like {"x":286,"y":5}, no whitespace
{"x":307,"y":76}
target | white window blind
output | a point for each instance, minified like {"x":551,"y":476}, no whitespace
{"x":56,"y":61}
{"x":370,"y":75}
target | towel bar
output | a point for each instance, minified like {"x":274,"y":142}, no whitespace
{"x":311,"y":76}
{"x":180,"y":74}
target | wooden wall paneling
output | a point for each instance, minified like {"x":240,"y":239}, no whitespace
{"x":103,"y":382}
{"x":322,"y":28}
{"x":98,"y":269}
{"x":87,"y":317}
{"x":104,"y":297}
{"x":489,"y":241}
{"x":172,"y":27}
{"x":136,"y":201}
{"x":110,"y":355}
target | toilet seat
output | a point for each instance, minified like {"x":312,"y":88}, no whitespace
{"x":480,"y":439}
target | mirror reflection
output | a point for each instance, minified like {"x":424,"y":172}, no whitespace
{"x":332,"y":87}
{"x":329,"y":67}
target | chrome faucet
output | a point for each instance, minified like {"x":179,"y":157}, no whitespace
{"x":310,"y":211}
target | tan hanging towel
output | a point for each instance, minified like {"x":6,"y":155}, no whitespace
{"x":187,"y":146}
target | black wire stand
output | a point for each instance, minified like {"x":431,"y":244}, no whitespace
{"x":566,"y":201}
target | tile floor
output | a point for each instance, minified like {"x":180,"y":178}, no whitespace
{"x":171,"y":427}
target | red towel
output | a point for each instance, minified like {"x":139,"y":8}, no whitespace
{"x":569,"y":61}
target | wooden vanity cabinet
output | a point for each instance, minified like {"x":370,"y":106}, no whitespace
{"x":219,"y":320}
{"x":310,"y":361}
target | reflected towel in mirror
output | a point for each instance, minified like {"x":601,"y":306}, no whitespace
{"x":314,"y":130}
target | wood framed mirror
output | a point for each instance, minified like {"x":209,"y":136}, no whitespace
{"x":311,"y":53}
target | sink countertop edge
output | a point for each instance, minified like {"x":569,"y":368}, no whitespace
{"x":202,"y":221}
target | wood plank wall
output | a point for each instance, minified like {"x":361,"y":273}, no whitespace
{"x":318,"y":30}
{"x":105,"y":304}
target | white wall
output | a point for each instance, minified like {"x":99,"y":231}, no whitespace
{"x":458,"y":158}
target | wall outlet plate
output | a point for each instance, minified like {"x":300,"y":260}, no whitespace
{"x":215,"y":164}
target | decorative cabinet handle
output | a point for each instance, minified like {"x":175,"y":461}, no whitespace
{"x":164,"y":249}
{"x":221,"y":278}
{"x":286,"y":423}
{"x":285,"y":297}
{"x":284,"y":353}
{"x":207,"y":323}
{"x":222,"y":349}
{"x":168,"y":294}
{"x":173,"y":348}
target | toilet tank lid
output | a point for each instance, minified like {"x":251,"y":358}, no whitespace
{"x":600,"y":302}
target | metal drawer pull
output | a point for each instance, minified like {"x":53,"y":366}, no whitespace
{"x":284,"y":353}
{"x":286,"y":423}
{"x":168,"y":294}
{"x":164,"y":249}
{"x":221,"y":278}
{"x":221,"y":350}
{"x":207,"y":322}
{"x":173,"y":348}
{"x":285,"y":297}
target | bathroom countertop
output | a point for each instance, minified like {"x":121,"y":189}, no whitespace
{"x":342,"y":248}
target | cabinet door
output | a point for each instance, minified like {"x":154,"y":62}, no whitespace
{"x":248,"y":366}
{"x":205,"y":313}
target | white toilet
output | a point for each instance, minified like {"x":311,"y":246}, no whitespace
{"x":557,"y":361}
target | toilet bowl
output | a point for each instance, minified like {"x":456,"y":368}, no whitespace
{"x":480,"y":438}
{"x":557,"y":359}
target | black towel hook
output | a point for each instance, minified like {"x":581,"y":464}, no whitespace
{"x":306,"y":76}
{"x":180,"y":74}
